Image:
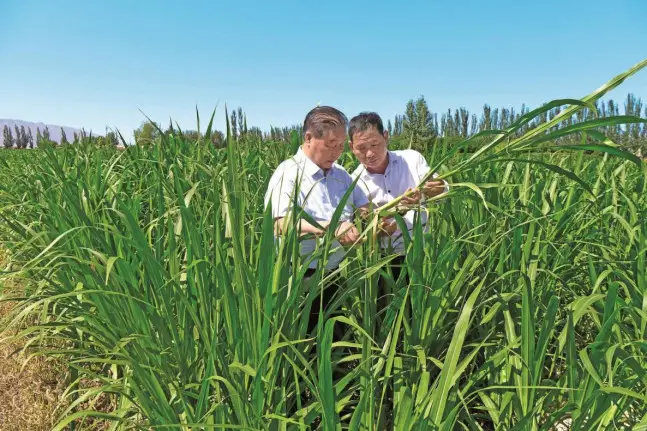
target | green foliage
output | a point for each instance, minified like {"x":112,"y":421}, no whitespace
{"x":30,"y":139}
{"x":417,"y":126}
{"x":162,"y":283}
{"x":7,"y":137}
{"x":156,"y":288}
{"x":18,"y":138}
{"x":64,"y":140}
{"x":43,"y":140}
{"x":418,"y":123}
{"x":24,"y":139}
{"x":234,"y":125}
{"x":147,"y":133}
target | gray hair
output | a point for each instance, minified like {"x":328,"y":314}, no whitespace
{"x":323,"y":118}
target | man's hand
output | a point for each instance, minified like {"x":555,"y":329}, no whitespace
{"x":387,"y":226}
{"x":433,"y":188}
{"x":347,"y":233}
{"x":363,"y":212}
{"x":429,"y":189}
{"x":411,"y":197}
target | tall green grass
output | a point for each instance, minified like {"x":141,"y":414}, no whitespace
{"x":154,"y":273}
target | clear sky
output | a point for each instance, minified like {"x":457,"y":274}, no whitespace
{"x":94,"y":64}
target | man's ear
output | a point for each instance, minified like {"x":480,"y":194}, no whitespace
{"x":307,"y":137}
{"x":386,"y":135}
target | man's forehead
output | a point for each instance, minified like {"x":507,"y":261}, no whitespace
{"x":366,"y":135}
{"x":334,"y":135}
{"x":335,"y":131}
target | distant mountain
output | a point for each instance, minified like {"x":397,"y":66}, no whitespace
{"x":54,"y":130}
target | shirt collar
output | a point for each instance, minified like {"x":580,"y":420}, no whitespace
{"x":393,"y":160}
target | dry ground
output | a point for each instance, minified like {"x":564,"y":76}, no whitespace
{"x":29,"y":395}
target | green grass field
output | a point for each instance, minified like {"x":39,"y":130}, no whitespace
{"x":153,"y":272}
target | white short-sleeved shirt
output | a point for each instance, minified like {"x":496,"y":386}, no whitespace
{"x":405,"y":170}
{"x":319,"y":195}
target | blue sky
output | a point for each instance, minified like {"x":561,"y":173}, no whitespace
{"x":94,"y":64}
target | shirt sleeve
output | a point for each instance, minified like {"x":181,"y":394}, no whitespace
{"x":360,"y":197}
{"x":422,"y":168}
{"x":356,"y":199}
{"x":280,"y":194}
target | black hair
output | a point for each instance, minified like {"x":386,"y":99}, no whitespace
{"x":363,"y":122}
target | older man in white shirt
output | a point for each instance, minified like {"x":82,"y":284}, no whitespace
{"x":320,"y":184}
{"x":385,"y":175}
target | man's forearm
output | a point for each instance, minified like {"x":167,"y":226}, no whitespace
{"x":304,"y":227}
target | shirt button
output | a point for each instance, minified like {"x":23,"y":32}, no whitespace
{"x":389,"y":191}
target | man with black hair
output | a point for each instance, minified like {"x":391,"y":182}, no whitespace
{"x":385,"y":175}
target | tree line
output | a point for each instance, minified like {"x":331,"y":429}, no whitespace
{"x":21,"y":138}
{"x":418,"y":124}
{"x":416,"y":127}
{"x":149,"y":131}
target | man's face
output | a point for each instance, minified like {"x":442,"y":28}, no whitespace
{"x":326,"y":150}
{"x":370,"y":148}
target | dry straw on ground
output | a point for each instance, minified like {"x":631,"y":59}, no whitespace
{"x":31,"y":391}
{"x":29,"y":395}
